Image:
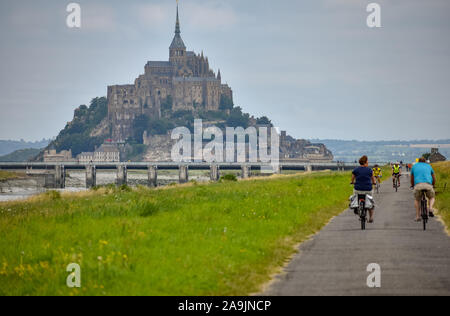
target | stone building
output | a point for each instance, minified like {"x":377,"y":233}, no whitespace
{"x":184,"y":82}
{"x":105,"y":153}
{"x":86,"y":157}
{"x":300,"y":150}
{"x":436,"y":156}
{"x":64,"y":156}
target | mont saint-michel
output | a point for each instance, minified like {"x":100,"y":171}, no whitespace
{"x":136,"y":119}
{"x":184,"y":83}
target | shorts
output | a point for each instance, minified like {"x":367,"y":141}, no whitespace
{"x":424,"y":187}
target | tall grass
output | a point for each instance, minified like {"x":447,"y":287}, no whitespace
{"x":442,"y":170}
{"x":211,"y":239}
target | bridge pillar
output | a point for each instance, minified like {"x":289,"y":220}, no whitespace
{"x":277,"y":169}
{"x":49,"y":181}
{"x":246,"y":172}
{"x":214,"y":173}
{"x":60,"y":177}
{"x":152,"y":176}
{"x":183,"y":173}
{"x":91,"y":176}
{"x":121,"y":175}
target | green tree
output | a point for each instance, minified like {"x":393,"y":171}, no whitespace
{"x":76,"y":134}
{"x":141,"y":124}
{"x":226,"y":103}
{"x":264,"y":121}
{"x":238,"y":119}
{"x":167,"y":105}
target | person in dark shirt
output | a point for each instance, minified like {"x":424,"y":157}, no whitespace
{"x":363,"y":179}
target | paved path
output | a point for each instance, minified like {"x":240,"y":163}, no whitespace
{"x":334,"y":262}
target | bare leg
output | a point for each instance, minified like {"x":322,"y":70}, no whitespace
{"x":432,"y":204}
{"x":417,"y":205}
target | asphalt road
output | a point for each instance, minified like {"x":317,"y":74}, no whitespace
{"x":335,"y":261}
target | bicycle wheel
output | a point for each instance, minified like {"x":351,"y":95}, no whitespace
{"x":362,"y":212}
{"x":424,"y":213}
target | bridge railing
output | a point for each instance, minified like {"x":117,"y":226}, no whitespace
{"x":59,"y":170}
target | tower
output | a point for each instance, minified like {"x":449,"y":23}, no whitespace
{"x":177,"y":50}
{"x":219,"y":76}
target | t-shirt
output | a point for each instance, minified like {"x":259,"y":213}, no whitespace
{"x":376,"y":171}
{"x":363,"y":179}
{"x":422,"y":173}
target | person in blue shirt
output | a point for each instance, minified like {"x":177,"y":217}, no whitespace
{"x":423,"y":179}
{"x":363,"y":179}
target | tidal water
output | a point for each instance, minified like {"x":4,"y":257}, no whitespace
{"x":76,"y":181}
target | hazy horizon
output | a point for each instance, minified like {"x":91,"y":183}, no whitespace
{"x":444,"y":141}
{"x":313,"y":67}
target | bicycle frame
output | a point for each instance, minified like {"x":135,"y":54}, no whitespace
{"x":362,"y":210}
{"x":396,"y":181}
{"x":424,"y":210}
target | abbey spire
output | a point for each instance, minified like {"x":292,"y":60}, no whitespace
{"x":177,"y":25}
{"x":177,"y":50}
{"x":177,"y":43}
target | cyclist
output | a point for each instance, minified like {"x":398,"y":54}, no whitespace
{"x":396,"y":173}
{"x":362,"y":178}
{"x":423,"y":179}
{"x":377,"y":173}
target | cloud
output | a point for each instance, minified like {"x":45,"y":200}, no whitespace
{"x":98,"y":18}
{"x":152,"y":15}
{"x":211,"y":15}
{"x":30,"y":19}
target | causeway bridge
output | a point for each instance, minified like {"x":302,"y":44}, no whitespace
{"x":55,"y":173}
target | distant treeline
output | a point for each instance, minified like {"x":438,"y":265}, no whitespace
{"x":21,"y":155}
{"x":9,"y":146}
{"x":380,"y":151}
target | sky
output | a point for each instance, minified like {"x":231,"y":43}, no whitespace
{"x":313,"y":66}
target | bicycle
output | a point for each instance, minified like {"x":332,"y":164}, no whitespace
{"x":424,"y":209}
{"x":362,"y":211}
{"x":378,"y":184}
{"x":396,"y":182}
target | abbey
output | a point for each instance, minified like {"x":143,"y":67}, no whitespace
{"x":185,"y":82}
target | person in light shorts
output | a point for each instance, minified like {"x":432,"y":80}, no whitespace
{"x":363,"y":179}
{"x":423,"y":179}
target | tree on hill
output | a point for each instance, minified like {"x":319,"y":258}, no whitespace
{"x":238,"y":119}
{"x":264,"y":121}
{"x":76,"y":134}
{"x":226,"y":103}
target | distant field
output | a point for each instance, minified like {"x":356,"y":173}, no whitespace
{"x":443,"y":197}
{"x":6,"y":175}
{"x":210,"y":239}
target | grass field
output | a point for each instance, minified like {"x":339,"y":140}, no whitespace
{"x":6,"y":175}
{"x":213,"y":239}
{"x":443,"y":197}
